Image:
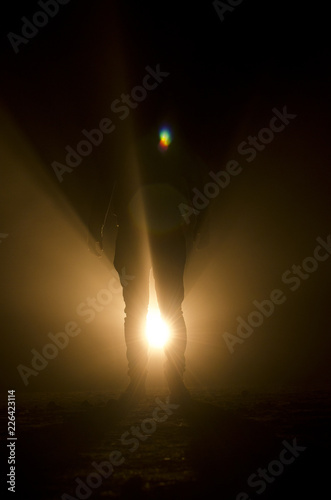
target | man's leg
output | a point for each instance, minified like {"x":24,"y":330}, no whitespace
{"x":168,"y":260}
{"x":131,"y":258}
{"x":136,"y":296}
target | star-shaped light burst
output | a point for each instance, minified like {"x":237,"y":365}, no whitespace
{"x":157,"y":331}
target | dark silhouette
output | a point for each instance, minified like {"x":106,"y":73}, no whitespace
{"x":154,"y":178}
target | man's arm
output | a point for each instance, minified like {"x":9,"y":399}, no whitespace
{"x":200,"y":221}
{"x":99,"y":210}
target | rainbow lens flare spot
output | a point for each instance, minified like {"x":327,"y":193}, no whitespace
{"x":165,"y":139}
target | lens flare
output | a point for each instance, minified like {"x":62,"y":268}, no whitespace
{"x":157,"y":331}
{"x":165,"y":139}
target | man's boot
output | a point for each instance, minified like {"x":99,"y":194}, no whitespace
{"x":179,"y":393}
{"x":136,"y":391}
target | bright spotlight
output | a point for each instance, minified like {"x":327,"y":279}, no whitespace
{"x":157,"y":330}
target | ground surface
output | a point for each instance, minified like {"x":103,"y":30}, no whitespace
{"x":209,"y":449}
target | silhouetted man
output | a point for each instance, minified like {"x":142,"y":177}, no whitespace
{"x":151,"y":185}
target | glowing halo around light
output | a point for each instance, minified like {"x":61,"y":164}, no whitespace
{"x":157,"y":331}
{"x":165,"y":139}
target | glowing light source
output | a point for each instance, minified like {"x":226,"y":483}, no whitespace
{"x":157,"y":330}
{"x":165,"y":138}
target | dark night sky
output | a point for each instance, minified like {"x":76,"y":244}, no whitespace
{"x":225,"y":79}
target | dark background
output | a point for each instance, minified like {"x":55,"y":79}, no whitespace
{"x":225,"y":79}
